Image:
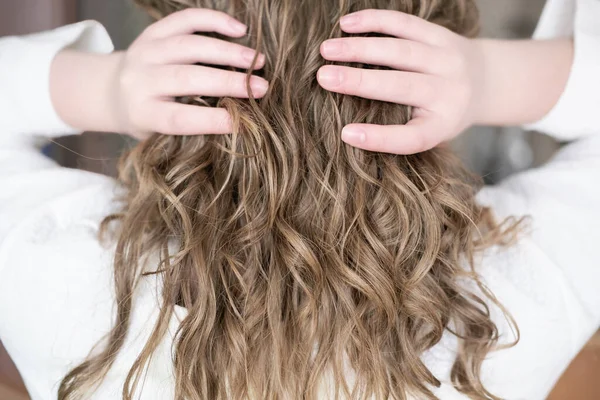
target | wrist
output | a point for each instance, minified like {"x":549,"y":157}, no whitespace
{"x":481,"y":111}
{"x":82,"y":87}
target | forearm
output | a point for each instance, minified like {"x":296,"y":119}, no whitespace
{"x":523,"y":80}
{"x":80,"y":86}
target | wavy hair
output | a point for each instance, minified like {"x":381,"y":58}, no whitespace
{"x":298,"y":257}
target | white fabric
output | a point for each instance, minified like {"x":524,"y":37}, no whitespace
{"x":56,"y":294}
{"x":570,"y":118}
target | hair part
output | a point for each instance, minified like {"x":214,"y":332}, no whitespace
{"x":299,"y":257}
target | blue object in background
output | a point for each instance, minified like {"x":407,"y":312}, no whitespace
{"x":47,"y":150}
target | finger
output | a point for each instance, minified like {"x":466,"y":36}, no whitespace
{"x":395,"y":23}
{"x":170,"y":118}
{"x":191,"y":49}
{"x":400,"y":54}
{"x":399,"y":87}
{"x":417,"y":136}
{"x":193,"y":80}
{"x":193,"y":20}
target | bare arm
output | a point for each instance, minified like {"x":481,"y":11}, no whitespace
{"x":80,"y":87}
{"x":523,"y":80}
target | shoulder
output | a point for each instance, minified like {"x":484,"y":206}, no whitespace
{"x":58,"y":194}
{"x":549,"y":281}
{"x":56,"y":290}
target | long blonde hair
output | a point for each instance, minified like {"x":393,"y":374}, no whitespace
{"x":298,"y":256}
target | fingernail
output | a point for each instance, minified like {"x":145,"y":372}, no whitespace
{"x":354,"y":136}
{"x":332,"y":47}
{"x":329,"y":76}
{"x":248,"y":55}
{"x":259,"y":86}
{"x":348,"y":21}
{"x":237,"y":26}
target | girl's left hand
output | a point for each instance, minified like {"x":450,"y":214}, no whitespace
{"x":436,"y":71}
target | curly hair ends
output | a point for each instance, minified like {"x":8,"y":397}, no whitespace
{"x":298,"y":257}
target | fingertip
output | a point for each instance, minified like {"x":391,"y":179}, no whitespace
{"x":350,"y":21}
{"x":332,"y":48}
{"x":259,"y":86}
{"x":319,"y":76}
{"x":329,"y":77}
{"x":237,"y":28}
{"x":260,"y":62}
{"x":354,"y":135}
{"x":322,"y":50}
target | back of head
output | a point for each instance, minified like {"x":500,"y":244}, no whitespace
{"x":298,"y":256}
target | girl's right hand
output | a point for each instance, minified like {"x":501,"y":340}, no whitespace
{"x":159,"y":67}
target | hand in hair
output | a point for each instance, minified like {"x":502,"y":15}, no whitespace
{"x":436,"y":71}
{"x":134,"y":92}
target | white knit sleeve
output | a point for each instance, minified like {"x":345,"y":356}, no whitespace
{"x":28,"y":179}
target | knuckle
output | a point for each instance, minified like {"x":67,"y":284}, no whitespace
{"x":427,"y":91}
{"x":407,"y":21}
{"x":149,"y":31}
{"x":223,"y":47}
{"x":175,"y":122}
{"x":143,"y":53}
{"x":352,"y":50}
{"x":406,"y":86}
{"x":230,"y":80}
{"x":408,"y":50}
{"x":191,"y":13}
{"x":181,"y":78}
{"x":180,"y":42}
{"x":456,"y":62}
{"x":192,"y":16}
{"x":444,"y":37}
{"x":378,"y":23}
{"x":350,"y":81}
{"x":438,"y":39}
{"x":237,"y":83}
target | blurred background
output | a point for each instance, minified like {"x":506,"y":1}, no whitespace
{"x":492,"y":152}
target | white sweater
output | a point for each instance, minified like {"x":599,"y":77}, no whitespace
{"x":56,"y":292}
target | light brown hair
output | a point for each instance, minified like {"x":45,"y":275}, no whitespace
{"x":298,"y":256}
